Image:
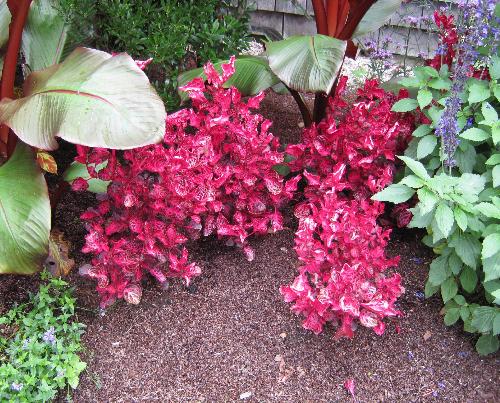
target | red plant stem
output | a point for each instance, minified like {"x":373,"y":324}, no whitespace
{"x":19,"y":10}
{"x":332,"y":16}
{"x":320,"y":17}
{"x":355,"y":16}
{"x":343,"y":13}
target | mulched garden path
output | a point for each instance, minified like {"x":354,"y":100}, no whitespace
{"x":231,"y":335}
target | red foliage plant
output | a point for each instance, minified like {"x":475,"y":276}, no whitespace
{"x":212,"y":174}
{"x":345,"y":159}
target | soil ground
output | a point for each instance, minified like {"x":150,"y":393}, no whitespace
{"x":231,"y":335}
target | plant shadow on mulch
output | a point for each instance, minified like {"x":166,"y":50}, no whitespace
{"x":231,"y":333}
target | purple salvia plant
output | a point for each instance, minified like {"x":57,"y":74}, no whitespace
{"x":49,"y":336}
{"x":478,"y":28}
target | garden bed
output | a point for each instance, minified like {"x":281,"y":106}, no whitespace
{"x":230,"y":335}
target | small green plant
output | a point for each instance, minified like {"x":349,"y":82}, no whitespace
{"x":39,"y":345}
{"x":453,"y":168}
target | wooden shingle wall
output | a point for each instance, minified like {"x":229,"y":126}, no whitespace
{"x":416,"y":38}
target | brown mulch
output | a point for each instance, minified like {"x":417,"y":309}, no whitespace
{"x":232,"y":334}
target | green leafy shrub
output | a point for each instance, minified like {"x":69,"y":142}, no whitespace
{"x":39,"y":343}
{"x":178,"y":35}
{"x":453,"y":167}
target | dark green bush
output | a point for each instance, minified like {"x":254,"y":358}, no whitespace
{"x":178,"y":35}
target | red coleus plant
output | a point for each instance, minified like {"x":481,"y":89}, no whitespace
{"x":448,"y":40}
{"x":212,"y":174}
{"x":345,"y":159}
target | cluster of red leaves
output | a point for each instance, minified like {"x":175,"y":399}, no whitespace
{"x":212,"y":174}
{"x":345,"y":159}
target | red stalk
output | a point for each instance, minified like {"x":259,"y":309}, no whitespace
{"x":19,"y":10}
{"x":332,"y":15}
{"x":320,"y":17}
{"x":358,"y":10}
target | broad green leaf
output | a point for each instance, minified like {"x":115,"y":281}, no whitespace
{"x":449,"y":289}
{"x":489,"y":210}
{"x":5,"y":18}
{"x":451,"y":316}
{"x":435,"y":114}
{"x":491,"y":245}
{"x":475,"y":134}
{"x":467,"y":247}
{"x":487,"y":344}
{"x":252,"y":75}
{"x":491,"y":267}
{"x":493,"y":160}
{"x":421,"y":131}
{"x":478,"y":92}
{"x":483,"y":317}
{"x":426,"y":146}
{"x":493,"y":288}
{"x":455,"y":264}
{"x":430,"y":289}
{"x":416,"y":166}
{"x":424,"y":98}
{"x":395,"y":194}
{"x":79,"y":170}
{"x":460,"y":218}
{"x":471,"y":183}
{"x":405,"y":105}
{"x":495,"y":174}
{"x":468,"y":279}
{"x":495,"y":133}
{"x":489,"y":113}
{"x":444,"y":218}
{"x":440,"y":83}
{"x":377,"y":15}
{"x":466,"y":157}
{"x":427,"y":200}
{"x":92,"y":99}
{"x":496,"y":325}
{"x":44,"y":35}
{"x":24,"y":214}
{"x":438,"y":272}
{"x":412,"y":181}
{"x":494,"y":67}
{"x":307,"y":63}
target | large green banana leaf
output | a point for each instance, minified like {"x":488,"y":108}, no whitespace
{"x":378,"y":14}
{"x":24,"y":214}
{"x":252,"y":75}
{"x":44,"y":35}
{"x":307,"y":63}
{"x":4,"y":29}
{"x":92,"y":99}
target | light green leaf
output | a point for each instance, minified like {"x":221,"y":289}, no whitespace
{"x":78,"y":170}
{"x":92,"y":99}
{"x":487,"y":344}
{"x":426,"y":146}
{"x":377,"y":15}
{"x":493,"y":288}
{"x":416,"y":166}
{"x":424,"y":98}
{"x":44,"y":35}
{"x":495,"y":174}
{"x":496,"y":325}
{"x":405,"y":105}
{"x":421,"y":131}
{"x":491,"y":245}
{"x":5,"y":18}
{"x":491,"y":267}
{"x":395,"y":194}
{"x":455,"y":264}
{"x":471,"y":183}
{"x":478,"y":92}
{"x":468,"y":279}
{"x":24,"y":214}
{"x":427,"y":199}
{"x":489,"y":113}
{"x":449,"y":289}
{"x":493,"y":160}
{"x":307,"y":63}
{"x":252,"y":75}
{"x":460,"y":217}
{"x":494,"y":67}
{"x":489,"y":210}
{"x":412,"y":181}
{"x":475,"y":134}
{"x":495,"y":133}
{"x":444,"y":218}
{"x":440,"y":83}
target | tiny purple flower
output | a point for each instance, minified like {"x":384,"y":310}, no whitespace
{"x":16,"y":387}
{"x":410,"y":355}
{"x":49,"y":336}
{"x":420,"y":295}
